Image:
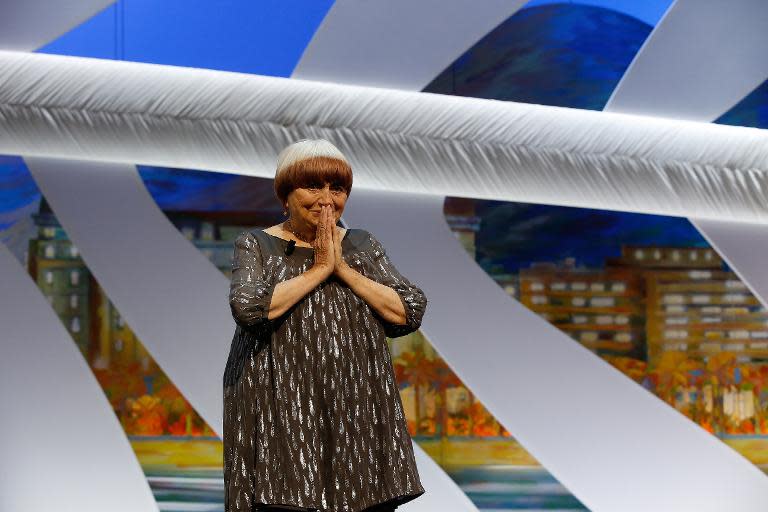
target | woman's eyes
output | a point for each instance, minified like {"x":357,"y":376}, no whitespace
{"x":317,"y":186}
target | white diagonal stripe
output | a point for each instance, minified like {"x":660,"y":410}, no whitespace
{"x":62,"y":445}
{"x":170,"y":295}
{"x":28,"y":25}
{"x":700,"y":60}
{"x":402,"y":44}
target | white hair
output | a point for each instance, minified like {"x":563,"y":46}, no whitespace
{"x":307,"y":148}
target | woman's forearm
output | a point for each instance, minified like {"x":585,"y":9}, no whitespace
{"x":381,"y":298}
{"x":289,"y":292}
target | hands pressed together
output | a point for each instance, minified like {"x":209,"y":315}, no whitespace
{"x":327,"y":245}
{"x":328,"y":261}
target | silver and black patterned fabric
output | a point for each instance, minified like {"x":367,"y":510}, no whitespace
{"x":313,"y":418}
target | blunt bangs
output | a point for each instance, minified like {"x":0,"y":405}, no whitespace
{"x":311,"y":170}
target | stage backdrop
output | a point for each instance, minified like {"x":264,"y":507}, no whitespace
{"x":647,"y":294}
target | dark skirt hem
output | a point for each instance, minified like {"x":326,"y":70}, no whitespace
{"x":383,"y":506}
{"x":395,"y":502}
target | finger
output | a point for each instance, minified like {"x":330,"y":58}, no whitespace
{"x":320,"y":221}
{"x":321,"y":224}
{"x":320,"y":233}
{"x":326,"y":233}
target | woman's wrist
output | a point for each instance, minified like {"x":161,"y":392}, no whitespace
{"x":317,"y":274}
{"x":344,"y":271}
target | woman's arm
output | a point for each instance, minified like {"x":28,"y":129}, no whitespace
{"x":381,"y":298}
{"x":289,"y":292}
{"x":252,"y":298}
{"x":398,"y":302}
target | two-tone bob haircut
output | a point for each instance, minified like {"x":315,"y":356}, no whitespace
{"x":309,"y":161}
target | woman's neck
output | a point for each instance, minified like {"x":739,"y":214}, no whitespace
{"x":303,"y":233}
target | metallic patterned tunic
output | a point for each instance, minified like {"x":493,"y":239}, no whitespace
{"x":312,"y":413}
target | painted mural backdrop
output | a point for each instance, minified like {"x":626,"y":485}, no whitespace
{"x":645,"y":293}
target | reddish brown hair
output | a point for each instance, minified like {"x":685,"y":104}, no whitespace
{"x":309,"y":170}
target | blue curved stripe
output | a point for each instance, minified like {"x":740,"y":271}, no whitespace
{"x":17,"y":187}
{"x":751,"y":111}
{"x":647,"y":11}
{"x":565,"y":55}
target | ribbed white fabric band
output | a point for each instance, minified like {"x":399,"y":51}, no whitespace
{"x":180,"y":117}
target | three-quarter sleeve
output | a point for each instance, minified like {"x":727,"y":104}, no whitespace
{"x":250,"y":292}
{"x":413,"y":298}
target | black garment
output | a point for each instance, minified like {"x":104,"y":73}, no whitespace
{"x":384,"y":507}
{"x":312,"y":414}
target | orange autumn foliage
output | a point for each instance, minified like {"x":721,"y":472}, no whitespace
{"x":146,"y":416}
{"x":635,"y":369}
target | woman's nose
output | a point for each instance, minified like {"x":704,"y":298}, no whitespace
{"x":325,"y":196}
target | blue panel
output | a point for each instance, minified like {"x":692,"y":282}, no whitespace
{"x":92,"y":38}
{"x":751,"y":111}
{"x":647,"y":11}
{"x":266,"y":37}
{"x":17,"y":187}
{"x":566,"y":55}
{"x":180,"y":189}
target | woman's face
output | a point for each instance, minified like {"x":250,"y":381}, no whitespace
{"x":304,"y":202}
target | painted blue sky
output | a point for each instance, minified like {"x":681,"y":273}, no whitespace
{"x":751,"y":111}
{"x":647,"y":11}
{"x":513,"y":235}
{"x":17,"y":189}
{"x":563,"y":55}
{"x":180,"y":189}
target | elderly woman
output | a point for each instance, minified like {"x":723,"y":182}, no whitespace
{"x":312,"y":414}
